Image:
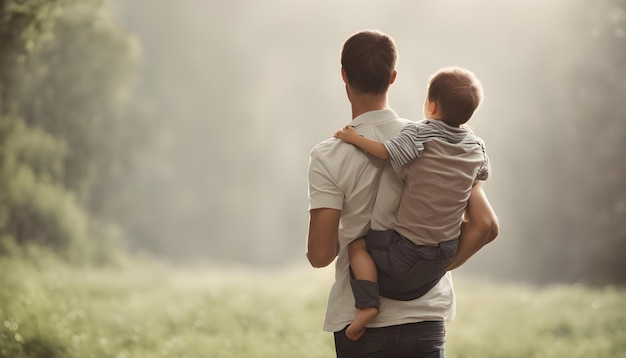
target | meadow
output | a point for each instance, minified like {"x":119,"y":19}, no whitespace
{"x":144,"y":309}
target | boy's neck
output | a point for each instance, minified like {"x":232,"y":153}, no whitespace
{"x":434,"y":116}
{"x":442,"y":120}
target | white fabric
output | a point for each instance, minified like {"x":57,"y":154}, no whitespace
{"x":344,"y":177}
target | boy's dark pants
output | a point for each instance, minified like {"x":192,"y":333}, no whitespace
{"x":405,"y":271}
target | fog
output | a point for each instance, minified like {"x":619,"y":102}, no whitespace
{"x":237,"y":93}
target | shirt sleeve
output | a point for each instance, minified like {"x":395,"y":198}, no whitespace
{"x":485,"y":168}
{"x":323,"y":189}
{"x":405,"y":147}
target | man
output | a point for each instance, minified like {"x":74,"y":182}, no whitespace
{"x":350,"y":190}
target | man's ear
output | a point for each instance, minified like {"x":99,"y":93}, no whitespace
{"x":344,"y":76}
{"x":393,"y":77}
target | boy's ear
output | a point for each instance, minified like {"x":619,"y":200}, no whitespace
{"x":432,"y":107}
{"x":393,"y":77}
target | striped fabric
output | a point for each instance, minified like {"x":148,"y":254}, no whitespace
{"x":409,"y":144}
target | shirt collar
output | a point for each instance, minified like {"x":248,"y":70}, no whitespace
{"x":443,"y":125}
{"x":372,"y":117}
{"x":456,"y":134}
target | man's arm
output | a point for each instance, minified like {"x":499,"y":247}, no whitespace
{"x":322,"y":239}
{"x":480,"y":227}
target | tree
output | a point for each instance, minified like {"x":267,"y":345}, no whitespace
{"x":65,"y":75}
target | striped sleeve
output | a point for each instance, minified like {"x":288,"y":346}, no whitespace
{"x":485,"y":168}
{"x":401,"y":148}
{"x":409,"y":143}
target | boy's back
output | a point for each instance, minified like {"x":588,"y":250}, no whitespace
{"x":437,"y":188}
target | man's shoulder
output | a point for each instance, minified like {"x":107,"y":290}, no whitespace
{"x":403,"y":121}
{"x":384,"y":130}
{"x":323,"y":145}
{"x":327,"y":146}
{"x":333,"y":150}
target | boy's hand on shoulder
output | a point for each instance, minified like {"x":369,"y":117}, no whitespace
{"x":347,"y":134}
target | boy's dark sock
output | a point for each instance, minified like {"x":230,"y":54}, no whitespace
{"x":365,"y":293}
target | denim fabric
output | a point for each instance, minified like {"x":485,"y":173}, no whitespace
{"x":412,"y":340}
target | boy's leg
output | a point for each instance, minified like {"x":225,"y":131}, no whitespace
{"x":364,"y":286}
{"x":407,"y":271}
{"x":361,"y":262}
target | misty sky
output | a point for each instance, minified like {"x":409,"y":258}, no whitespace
{"x":244,"y":90}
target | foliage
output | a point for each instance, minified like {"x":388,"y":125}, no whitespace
{"x":72,"y":74}
{"x":525,"y":321}
{"x":65,"y":75}
{"x":208,"y":151}
{"x":32,"y":203}
{"x":144,"y":309}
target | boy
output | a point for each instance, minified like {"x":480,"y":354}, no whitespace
{"x":406,"y":262}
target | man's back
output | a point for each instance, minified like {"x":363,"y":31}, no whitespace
{"x":365,"y":188}
{"x":345,"y":178}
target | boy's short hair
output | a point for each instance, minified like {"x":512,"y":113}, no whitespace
{"x":457,"y":93}
{"x":369,"y":59}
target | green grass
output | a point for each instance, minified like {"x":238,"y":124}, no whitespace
{"x":524,"y":321}
{"x":48,"y":309}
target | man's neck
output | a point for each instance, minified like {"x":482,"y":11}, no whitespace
{"x":367,"y":102}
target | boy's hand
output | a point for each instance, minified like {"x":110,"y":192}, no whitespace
{"x":347,"y":134}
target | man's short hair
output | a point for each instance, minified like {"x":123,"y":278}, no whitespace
{"x":457,"y":93}
{"x":369,"y":59}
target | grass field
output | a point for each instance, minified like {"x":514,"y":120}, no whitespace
{"x":143,"y":310}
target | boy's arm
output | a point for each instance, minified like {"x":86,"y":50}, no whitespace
{"x":479,"y":228}
{"x":322,"y":239}
{"x":349,"y":135}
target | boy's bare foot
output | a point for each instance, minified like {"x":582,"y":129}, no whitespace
{"x":362,"y":317}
